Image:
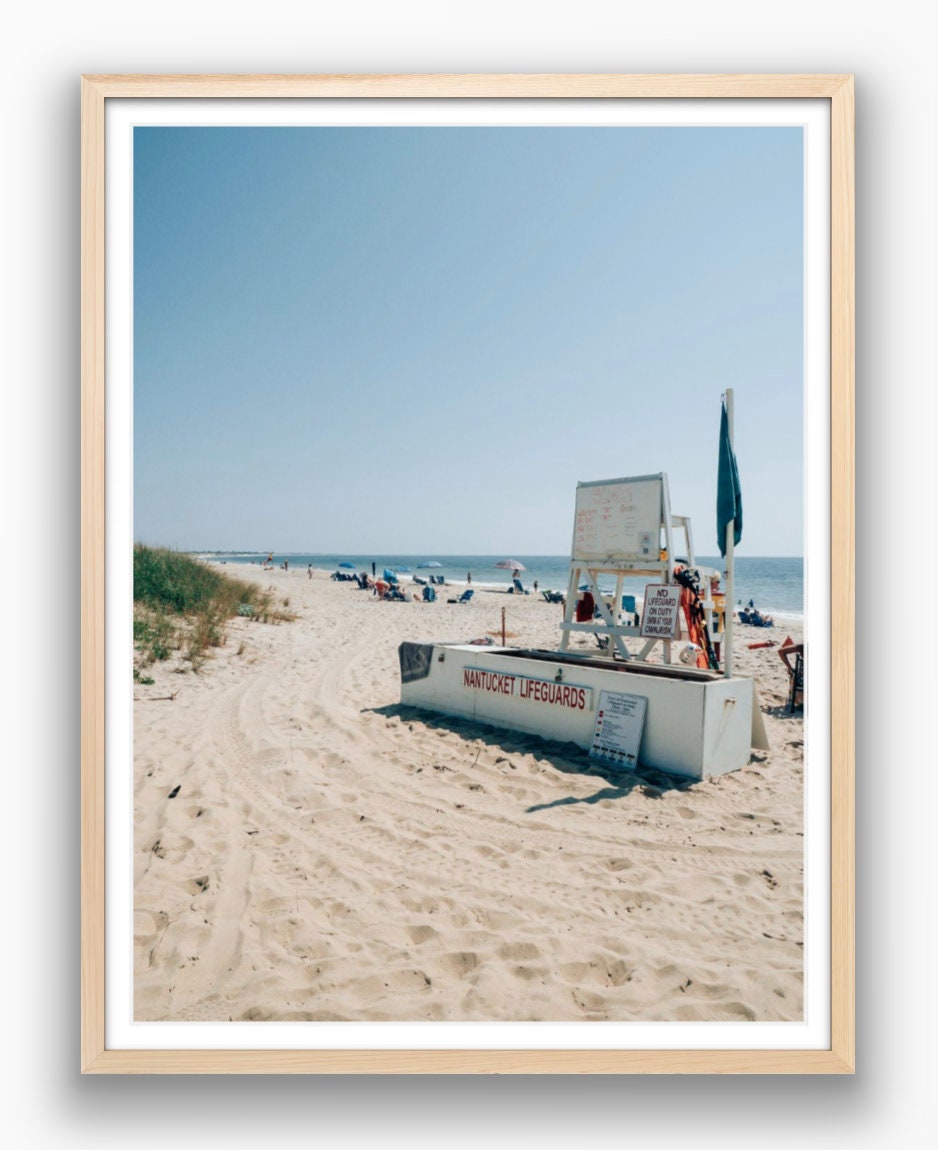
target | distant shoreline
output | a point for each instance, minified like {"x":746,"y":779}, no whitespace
{"x":775,"y":584}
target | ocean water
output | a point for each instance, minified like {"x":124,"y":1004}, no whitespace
{"x":775,"y":585}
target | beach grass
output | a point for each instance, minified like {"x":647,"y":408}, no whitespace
{"x":182,"y":606}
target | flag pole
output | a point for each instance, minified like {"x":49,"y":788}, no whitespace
{"x":728,"y":574}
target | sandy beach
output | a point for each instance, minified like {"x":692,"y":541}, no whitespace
{"x":306,"y":848}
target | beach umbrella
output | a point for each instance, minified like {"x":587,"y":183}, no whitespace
{"x":349,"y":566}
{"x":511,"y":565}
{"x":729,"y":492}
{"x":729,"y":516}
{"x":432,"y":563}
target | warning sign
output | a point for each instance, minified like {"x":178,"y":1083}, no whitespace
{"x":617,"y":736}
{"x":660,"y":616}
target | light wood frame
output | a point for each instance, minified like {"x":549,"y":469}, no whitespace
{"x":95,"y":1057}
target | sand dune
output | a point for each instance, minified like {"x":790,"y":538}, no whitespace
{"x":306,"y":848}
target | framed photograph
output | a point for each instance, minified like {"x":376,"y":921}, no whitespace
{"x":380,"y":772}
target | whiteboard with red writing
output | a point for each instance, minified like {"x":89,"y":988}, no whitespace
{"x":619,"y":520}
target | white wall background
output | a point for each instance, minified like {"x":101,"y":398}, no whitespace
{"x":44,"y":49}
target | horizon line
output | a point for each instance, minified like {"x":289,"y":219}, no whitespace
{"x":410,"y":554}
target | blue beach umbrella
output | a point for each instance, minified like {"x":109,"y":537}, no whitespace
{"x":349,"y":566}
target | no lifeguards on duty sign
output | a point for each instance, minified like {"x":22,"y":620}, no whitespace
{"x":660,"y":613}
{"x":617,"y":736}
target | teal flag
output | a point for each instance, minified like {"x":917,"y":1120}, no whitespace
{"x":729,"y":493}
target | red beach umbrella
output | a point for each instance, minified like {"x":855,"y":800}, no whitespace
{"x":511,"y":565}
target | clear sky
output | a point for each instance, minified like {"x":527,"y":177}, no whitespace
{"x":410,"y":340}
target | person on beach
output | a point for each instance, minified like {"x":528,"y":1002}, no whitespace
{"x":535,"y":586}
{"x":468,"y":577}
{"x":374,"y":570}
{"x":309,"y":571}
{"x":585,"y":607}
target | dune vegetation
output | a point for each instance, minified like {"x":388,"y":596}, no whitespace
{"x":182,"y":608}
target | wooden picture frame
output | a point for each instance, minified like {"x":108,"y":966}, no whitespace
{"x":838,"y":91}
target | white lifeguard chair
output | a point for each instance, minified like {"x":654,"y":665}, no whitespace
{"x":624,"y":528}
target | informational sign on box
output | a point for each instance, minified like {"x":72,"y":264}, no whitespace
{"x":617,"y":736}
{"x":661,"y":613}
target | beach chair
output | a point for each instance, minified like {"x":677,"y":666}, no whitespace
{"x":466,"y":595}
{"x":792,"y":655}
{"x":517,"y":586}
{"x":429,"y":595}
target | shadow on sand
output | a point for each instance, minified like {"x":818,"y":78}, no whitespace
{"x":567,"y":758}
{"x":782,"y":712}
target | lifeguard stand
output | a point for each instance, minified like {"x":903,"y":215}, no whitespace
{"x":622,"y":527}
{"x":697,"y":722}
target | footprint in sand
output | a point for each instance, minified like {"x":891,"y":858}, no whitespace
{"x":148,"y":924}
{"x":459,"y":963}
{"x":530,"y":973}
{"x":618,"y":973}
{"x":519,"y":952}
{"x":421,"y":933}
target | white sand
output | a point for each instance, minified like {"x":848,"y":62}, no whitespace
{"x":331,"y":855}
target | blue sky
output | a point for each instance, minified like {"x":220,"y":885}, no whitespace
{"x":419,"y":339}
